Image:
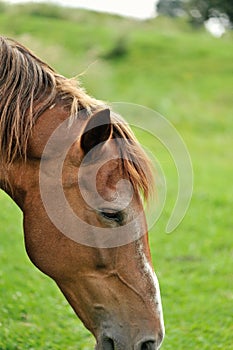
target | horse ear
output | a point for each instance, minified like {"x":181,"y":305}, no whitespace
{"x":97,"y":130}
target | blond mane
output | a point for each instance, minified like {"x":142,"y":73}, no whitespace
{"x":29,"y":86}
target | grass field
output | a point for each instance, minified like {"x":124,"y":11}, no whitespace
{"x":185,"y":75}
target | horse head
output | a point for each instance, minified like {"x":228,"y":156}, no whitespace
{"x":79,"y":182}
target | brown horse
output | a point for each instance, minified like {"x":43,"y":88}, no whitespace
{"x":88,"y":235}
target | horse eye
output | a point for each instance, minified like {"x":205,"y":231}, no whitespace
{"x":116,"y":216}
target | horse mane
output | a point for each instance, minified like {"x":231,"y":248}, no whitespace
{"x":137,"y":165}
{"x":29,"y":86}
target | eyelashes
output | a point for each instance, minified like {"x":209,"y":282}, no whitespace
{"x":112,"y":216}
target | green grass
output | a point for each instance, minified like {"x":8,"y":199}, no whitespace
{"x":185,"y":75}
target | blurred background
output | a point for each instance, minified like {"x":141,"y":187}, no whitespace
{"x":173,"y":56}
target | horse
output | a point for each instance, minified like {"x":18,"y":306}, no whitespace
{"x":88,"y":233}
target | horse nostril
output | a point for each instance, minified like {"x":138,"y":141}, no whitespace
{"x":148,"y":345}
{"x":108,"y":344}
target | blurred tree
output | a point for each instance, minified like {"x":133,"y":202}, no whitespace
{"x":172,"y":8}
{"x":2,"y":6}
{"x":198,"y":10}
{"x":201,"y":10}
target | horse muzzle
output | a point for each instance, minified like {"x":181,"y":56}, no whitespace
{"x":116,"y":342}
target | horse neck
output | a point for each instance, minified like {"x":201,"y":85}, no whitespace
{"x":3,"y":177}
{"x":6,"y":173}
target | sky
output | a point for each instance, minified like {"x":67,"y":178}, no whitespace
{"x":138,"y":9}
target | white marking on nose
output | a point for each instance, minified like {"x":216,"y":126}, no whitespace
{"x":149,"y":272}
